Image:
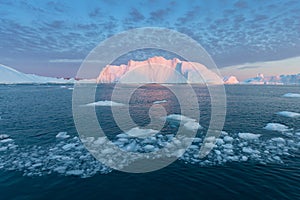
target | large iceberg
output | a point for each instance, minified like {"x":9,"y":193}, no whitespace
{"x":12,"y":76}
{"x":158,"y":70}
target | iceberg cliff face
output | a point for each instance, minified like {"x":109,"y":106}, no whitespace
{"x":11,"y":76}
{"x":158,"y":70}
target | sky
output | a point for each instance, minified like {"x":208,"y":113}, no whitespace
{"x":51,"y":38}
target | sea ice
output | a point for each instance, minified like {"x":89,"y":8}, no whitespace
{"x":159,"y":102}
{"x":249,"y":136}
{"x":193,"y":126}
{"x":276,"y":127}
{"x":138,"y":132}
{"x":292,"y":95}
{"x":105,"y":103}
{"x":3,"y":136}
{"x":289,"y":114}
{"x":62,"y":135}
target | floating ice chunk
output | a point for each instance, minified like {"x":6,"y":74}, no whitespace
{"x":298,"y":133}
{"x":100,"y":140}
{"x":292,"y":95}
{"x":138,"y":132}
{"x":182,"y":118}
{"x":75,"y":172}
{"x":105,"y":103}
{"x":62,"y":135}
{"x":149,"y":147}
{"x":122,"y":135}
{"x":278,"y":140}
{"x":3,"y":136}
{"x":6,"y":140}
{"x":228,"y":139}
{"x":67,"y":147}
{"x":193,"y":126}
{"x":249,"y":136}
{"x":3,"y":148}
{"x":289,"y":114}
{"x":276,"y":127}
{"x":249,"y":150}
{"x":132,"y":147}
{"x":159,"y":102}
{"x":219,"y":141}
{"x":70,"y":88}
{"x":244,"y":158}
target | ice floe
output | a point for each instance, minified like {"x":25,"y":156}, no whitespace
{"x":188,"y":123}
{"x":292,"y":95}
{"x":289,"y":114}
{"x":159,"y":102}
{"x":276,"y":127}
{"x":249,"y":136}
{"x":3,"y":136}
{"x":105,"y":103}
{"x":138,"y":132}
{"x":62,"y":135}
{"x":68,"y":156}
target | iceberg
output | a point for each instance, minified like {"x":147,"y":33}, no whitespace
{"x":231,"y":80}
{"x":12,"y":76}
{"x":158,"y":70}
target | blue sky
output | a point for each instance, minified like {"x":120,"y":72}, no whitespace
{"x":51,"y":37}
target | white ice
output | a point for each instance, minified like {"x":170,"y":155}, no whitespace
{"x":292,"y":95}
{"x":249,"y":136}
{"x":289,"y":114}
{"x":62,"y":135}
{"x":159,"y":102}
{"x":105,"y":103}
{"x":138,"y":132}
{"x":3,"y":136}
{"x":276,"y":127}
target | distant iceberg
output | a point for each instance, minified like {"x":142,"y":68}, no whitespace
{"x":260,"y":79}
{"x":231,"y":80}
{"x":12,"y":76}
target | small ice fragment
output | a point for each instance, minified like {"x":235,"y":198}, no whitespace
{"x":149,"y":147}
{"x":249,"y":136}
{"x":105,"y":103}
{"x":292,"y":95}
{"x":193,"y":126}
{"x":228,"y":139}
{"x":3,"y":136}
{"x":276,"y":127}
{"x":159,"y":102}
{"x":62,"y":135}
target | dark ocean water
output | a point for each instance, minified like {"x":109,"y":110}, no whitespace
{"x":37,"y":163}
